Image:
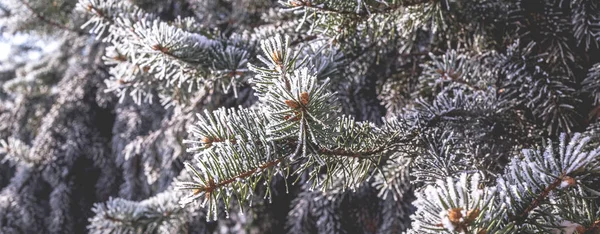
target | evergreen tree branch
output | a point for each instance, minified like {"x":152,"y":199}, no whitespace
{"x":51,"y":22}
{"x":540,"y":199}
{"x":211,"y":186}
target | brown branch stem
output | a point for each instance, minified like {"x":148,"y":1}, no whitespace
{"x":211,"y":186}
{"x":539,"y":199}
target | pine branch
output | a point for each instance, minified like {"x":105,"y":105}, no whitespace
{"x":51,"y":22}
{"x":135,"y":222}
{"x":539,"y":200}
{"x":211,"y":186}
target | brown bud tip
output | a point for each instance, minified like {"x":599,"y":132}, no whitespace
{"x":207,"y":141}
{"x":211,"y":183}
{"x":292,"y":104}
{"x":276,"y":56}
{"x":198,"y":190}
{"x":304,"y":98}
{"x":472,"y":215}
{"x":160,"y":48}
{"x":120,"y":57}
{"x":568,"y":182}
{"x":454,"y":215}
{"x":482,"y":231}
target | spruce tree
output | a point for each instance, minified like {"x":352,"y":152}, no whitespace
{"x":300,"y":116}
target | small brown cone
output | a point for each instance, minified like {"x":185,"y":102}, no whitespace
{"x":472,"y":215}
{"x":455,"y":215}
{"x":304,"y":98}
{"x":570,"y":181}
{"x":292,"y":104}
{"x":198,"y":190}
{"x":207,"y":141}
{"x":276,"y":56}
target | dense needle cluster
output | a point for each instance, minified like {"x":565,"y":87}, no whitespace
{"x":300,"y":116}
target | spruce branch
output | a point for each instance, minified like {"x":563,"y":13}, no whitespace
{"x":532,"y":186}
{"x":211,"y":186}
{"x":154,"y":215}
{"x":591,"y":83}
{"x":544,"y":175}
{"x":175,"y":58}
{"x":586,"y":22}
{"x":451,"y":206}
{"x":235,"y":149}
{"x":542,"y":196}
{"x":51,"y":22}
{"x":283,"y":90}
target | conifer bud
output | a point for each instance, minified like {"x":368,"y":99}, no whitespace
{"x":120,"y":57}
{"x":456,"y":219}
{"x":276,"y":56}
{"x":207,"y":141}
{"x":292,"y":104}
{"x":297,"y":3}
{"x":198,"y":190}
{"x":567,"y":182}
{"x":455,"y":215}
{"x":304,"y":98}
{"x":472,"y":215}
{"x":160,"y":48}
